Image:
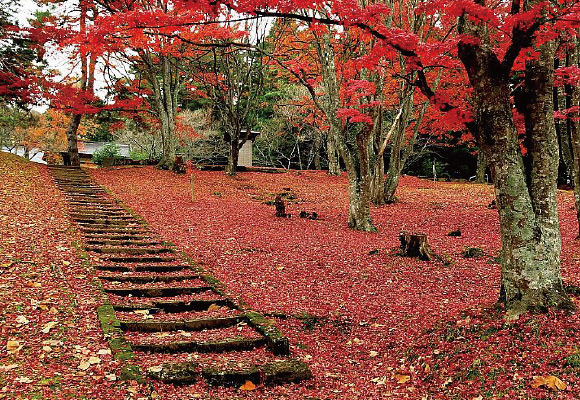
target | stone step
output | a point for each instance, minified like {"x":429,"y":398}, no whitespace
{"x":127,"y":250}
{"x":137,"y":259}
{"x":147,"y":278}
{"x":73,"y":189}
{"x":102,"y":207}
{"x":98,"y":212}
{"x":75,"y":186}
{"x":108,"y":242}
{"x":213,"y":346}
{"x":175,"y":306}
{"x":141,"y":268}
{"x":82,"y":196}
{"x":160,"y":268}
{"x":98,"y":202}
{"x":107,"y":223}
{"x":167,"y":291}
{"x":113,"y":268}
{"x":273,"y":373}
{"x":184,"y":325}
{"x":129,"y":231}
{"x":100,"y":216}
{"x":116,"y":237}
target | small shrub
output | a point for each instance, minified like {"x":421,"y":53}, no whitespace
{"x":110,"y":150}
{"x":138,"y":155}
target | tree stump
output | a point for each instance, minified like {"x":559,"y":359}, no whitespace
{"x":280,"y":207}
{"x":416,"y":245}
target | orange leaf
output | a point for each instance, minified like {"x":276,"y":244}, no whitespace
{"x":248,"y":386}
{"x":402,"y":378}
{"x":548,"y":381}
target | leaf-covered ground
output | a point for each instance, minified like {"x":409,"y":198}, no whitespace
{"x":51,"y":345}
{"x":370,"y":324}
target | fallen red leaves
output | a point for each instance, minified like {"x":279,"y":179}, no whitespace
{"x":369,"y":325}
{"x":51,"y":343}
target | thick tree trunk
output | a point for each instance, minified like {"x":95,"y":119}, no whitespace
{"x":481,"y":167}
{"x":391,"y":185}
{"x":168,"y":141}
{"x":71,"y":140}
{"x":531,"y":277}
{"x":164,"y":80}
{"x":377,"y":189}
{"x":333,"y":161}
{"x":395,"y":165}
{"x":358,"y":203}
{"x":233,"y":156}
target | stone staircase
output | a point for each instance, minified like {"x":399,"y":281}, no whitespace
{"x":174,"y":317}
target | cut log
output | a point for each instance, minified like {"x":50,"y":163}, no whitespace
{"x":416,"y":245}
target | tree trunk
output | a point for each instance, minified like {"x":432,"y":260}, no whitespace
{"x":356,"y":160}
{"x":377,"y":188}
{"x":391,"y":185}
{"x":481,"y":167}
{"x":232,"y":167}
{"x":559,"y":101}
{"x":71,"y":140}
{"x":167,"y":91}
{"x":358,"y":203}
{"x":531,"y":277}
{"x":574,"y":128}
{"x":333,"y":161}
{"x":316,"y":149}
{"x":395,"y":163}
{"x":168,"y":142}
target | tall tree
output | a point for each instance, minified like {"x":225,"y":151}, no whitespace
{"x":491,"y":38}
{"x":20,"y":59}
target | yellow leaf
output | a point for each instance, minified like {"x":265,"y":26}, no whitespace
{"x":213,"y":307}
{"x":94,"y":360}
{"x":48,"y":326}
{"x":84,"y":365}
{"x":12,"y":346}
{"x":402,"y":378}
{"x":4,"y":368}
{"x":248,"y":386}
{"x":548,"y":381}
